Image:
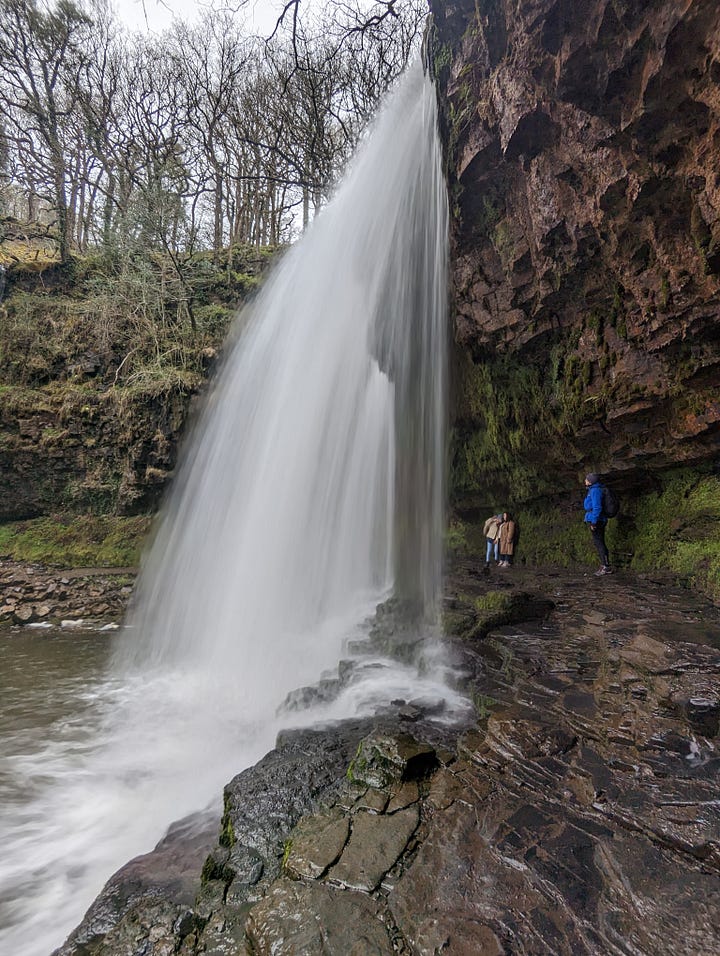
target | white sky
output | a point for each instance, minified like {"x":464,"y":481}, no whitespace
{"x":157,"y":15}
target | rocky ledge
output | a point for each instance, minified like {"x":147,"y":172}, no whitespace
{"x":35,"y":594}
{"x":575,"y":813}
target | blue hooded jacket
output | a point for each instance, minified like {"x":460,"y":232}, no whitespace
{"x":593,"y":505}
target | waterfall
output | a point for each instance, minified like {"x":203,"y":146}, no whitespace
{"x":315,"y":478}
{"x":311,"y":486}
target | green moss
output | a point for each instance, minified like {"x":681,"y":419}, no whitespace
{"x":442,"y":58}
{"x":459,"y":113}
{"x":211,"y":871}
{"x":504,"y":244}
{"x":553,"y":536}
{"x":487,"y":217}
{"x":596,"y":323}
{"x":677,"y":529}
{"x":664,"y":296}
{"x":616,"y":305}
{"x":493,"y":601}
{"x":85,"y":541}
{"x":505,"y":409}
{"x":29,"y":255}
{"x":477,"y":616}
{"x":227,"y":831}
{"x":358,"y":765}
{"x":483,"y":705}
{"x":456,"y":537}
{"x":458,"y":622}
{"x":701,"y":236}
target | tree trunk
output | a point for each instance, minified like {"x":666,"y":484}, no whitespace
{"x":218,"y":217}
{"x":108,"y":212}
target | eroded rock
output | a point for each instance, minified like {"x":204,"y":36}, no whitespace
{"x":581,"y":145}
{"x":316,"y":844}
{"x":575,"y":816}
{"x":375,"y":845}
{"x":317,"y":920}
{"x":382,"y":761}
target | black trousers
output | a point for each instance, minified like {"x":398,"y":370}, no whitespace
{"x":598,"y":536}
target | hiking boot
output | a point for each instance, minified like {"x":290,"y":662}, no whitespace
{"x":604,"y":570}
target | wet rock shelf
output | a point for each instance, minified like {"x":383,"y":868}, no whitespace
{"x":575,"y":813}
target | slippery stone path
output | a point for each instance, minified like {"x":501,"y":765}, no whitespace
{"x":578,"y":813}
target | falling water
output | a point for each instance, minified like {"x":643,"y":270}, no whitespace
{"x":312,"y":485}
{"x":287,"y":507}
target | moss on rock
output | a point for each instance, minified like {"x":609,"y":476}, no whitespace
{"x":505,"y":410}
{"x":76,"y":541}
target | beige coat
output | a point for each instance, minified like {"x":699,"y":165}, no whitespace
{"x":507,"y":537}
{"x":491,"y":528}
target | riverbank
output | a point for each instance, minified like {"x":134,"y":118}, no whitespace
{"x":574,"y":812}
{"x":36,"y":594}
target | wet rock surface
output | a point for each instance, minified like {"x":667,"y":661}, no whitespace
{"x":152,"y":899}
{"x":576,"y":812}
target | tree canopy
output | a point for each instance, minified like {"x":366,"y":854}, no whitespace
{"x":198,"y":138}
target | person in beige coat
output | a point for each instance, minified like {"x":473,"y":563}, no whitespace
{"x":507,"y":540}
{"x":491,"y":530}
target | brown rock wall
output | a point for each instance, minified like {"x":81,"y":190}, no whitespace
{"x":583,"y":148}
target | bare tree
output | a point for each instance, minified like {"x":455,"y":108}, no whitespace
{"x":211,"y":59}
{"x":41,"y":59}
{"x":202,"y":136}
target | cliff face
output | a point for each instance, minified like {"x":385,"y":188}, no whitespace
{"x":583,"y":149}
{"x":99,"y":363}
{"x":79,"y":449}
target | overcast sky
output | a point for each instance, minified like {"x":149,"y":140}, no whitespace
{"x":156,"y":15}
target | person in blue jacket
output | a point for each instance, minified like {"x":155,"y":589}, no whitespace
{"x":597,"y":520}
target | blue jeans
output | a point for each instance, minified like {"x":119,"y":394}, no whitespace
{"x":492,"y":545}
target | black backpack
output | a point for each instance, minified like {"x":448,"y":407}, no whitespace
{"x":610,"y":503}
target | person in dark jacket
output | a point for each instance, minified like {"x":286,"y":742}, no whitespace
{"x":597,"y":520}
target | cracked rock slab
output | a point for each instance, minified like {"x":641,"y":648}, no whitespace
{"x":376,"y":843}
{"x":317,"y":842}
{"x":299,"y":919}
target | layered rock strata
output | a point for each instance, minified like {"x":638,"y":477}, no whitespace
{"x":583,"y":143}
{"x":81,"y":450}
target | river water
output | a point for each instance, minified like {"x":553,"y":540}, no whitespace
{"x":312,"y":487}
{"x":94,"y":767}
